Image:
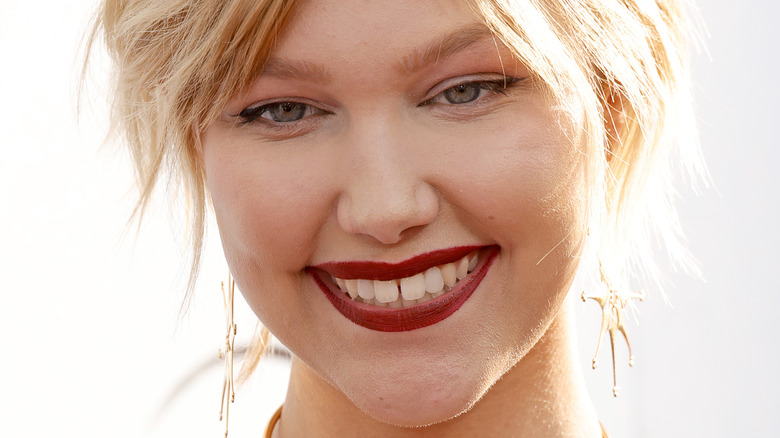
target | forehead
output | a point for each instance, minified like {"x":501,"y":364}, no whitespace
{"x":401,"y":34}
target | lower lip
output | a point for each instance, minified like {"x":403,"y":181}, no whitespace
{"x":384,"y":319}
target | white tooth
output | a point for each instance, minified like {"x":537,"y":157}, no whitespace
{"x":433,"y":280}
{"x":426,"y":297}
{"x":352,"y":288}
{"x":413,"y":287}
{"x":385,"y":291}
{"x":462,"y":268}
{"x":397,"y":304}
{"x":341,"y":284}
{"x":408,"y":303}
{"x":448,"y":273}
{"x":473,"y":259}
{"x":437,"y":294}
{"x":365,"y":289}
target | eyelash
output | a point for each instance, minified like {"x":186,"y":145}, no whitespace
{"x":500,"y":86}
{"x":253,"y":113}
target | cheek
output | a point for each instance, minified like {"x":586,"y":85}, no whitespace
{"x":526,"y":190}
{"x":526,"y":183}
{"x":267,"y":214}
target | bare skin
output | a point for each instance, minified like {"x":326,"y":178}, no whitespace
{"x":412,"y":132}
{"x":529,"y":400}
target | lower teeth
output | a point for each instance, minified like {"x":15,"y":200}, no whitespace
{"x":400,"y":302}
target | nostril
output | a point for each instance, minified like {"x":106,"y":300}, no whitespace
{"x":386,"y":214}
{"x":383,"y":223}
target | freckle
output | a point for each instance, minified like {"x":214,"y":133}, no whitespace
{"x":491,"y":217}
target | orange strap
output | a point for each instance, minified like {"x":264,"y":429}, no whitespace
{"x":269,"y":430}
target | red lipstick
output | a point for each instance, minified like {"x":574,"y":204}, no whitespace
{"x":409,"y":318}
{"x":390,"y":271}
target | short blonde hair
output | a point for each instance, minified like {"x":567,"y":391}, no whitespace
{"x":176,"y":64}
{"x":626,"y":63}
{"x":620,"y":65}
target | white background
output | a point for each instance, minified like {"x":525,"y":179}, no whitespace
{"x":90,"y":344}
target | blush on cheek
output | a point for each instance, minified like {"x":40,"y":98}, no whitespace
{"x":259,"y":202}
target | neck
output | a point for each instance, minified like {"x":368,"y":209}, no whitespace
{"x":542,"y":396}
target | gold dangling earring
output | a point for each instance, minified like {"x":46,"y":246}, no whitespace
{"x":612,"y":303}
{"x":230,"y":338}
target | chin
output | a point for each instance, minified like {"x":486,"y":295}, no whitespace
{"x":419,"y":403}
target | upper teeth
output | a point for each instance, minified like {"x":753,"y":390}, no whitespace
{"x":408,"y":291}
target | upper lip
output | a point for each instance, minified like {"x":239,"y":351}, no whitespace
{"x":374,"y":270}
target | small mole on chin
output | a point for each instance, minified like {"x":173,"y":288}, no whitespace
{"x":491,"y":217}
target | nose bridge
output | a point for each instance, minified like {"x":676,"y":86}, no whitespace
{"x":385,"y":191}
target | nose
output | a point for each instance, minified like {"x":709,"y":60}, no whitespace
{"x":386,"y":193}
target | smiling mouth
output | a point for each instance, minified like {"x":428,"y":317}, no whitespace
{"x":408,"y":291}
{"x":406,"y":296}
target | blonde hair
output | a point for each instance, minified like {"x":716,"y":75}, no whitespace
{"x":622,"y":64}
{"x":625,"y":62}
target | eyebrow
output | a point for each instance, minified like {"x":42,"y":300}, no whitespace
{"x":301,"y":70}
{"x":444,"y":47}
{"x":438,"y":50}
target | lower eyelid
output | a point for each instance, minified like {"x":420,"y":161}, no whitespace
{"x":267,"y":130}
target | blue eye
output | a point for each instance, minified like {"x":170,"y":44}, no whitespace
{"x":463,"y":93}
{"x":468,"y":92}
{"x":279,"y":112}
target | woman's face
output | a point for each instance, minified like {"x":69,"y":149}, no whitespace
{"x":382,"y":139}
